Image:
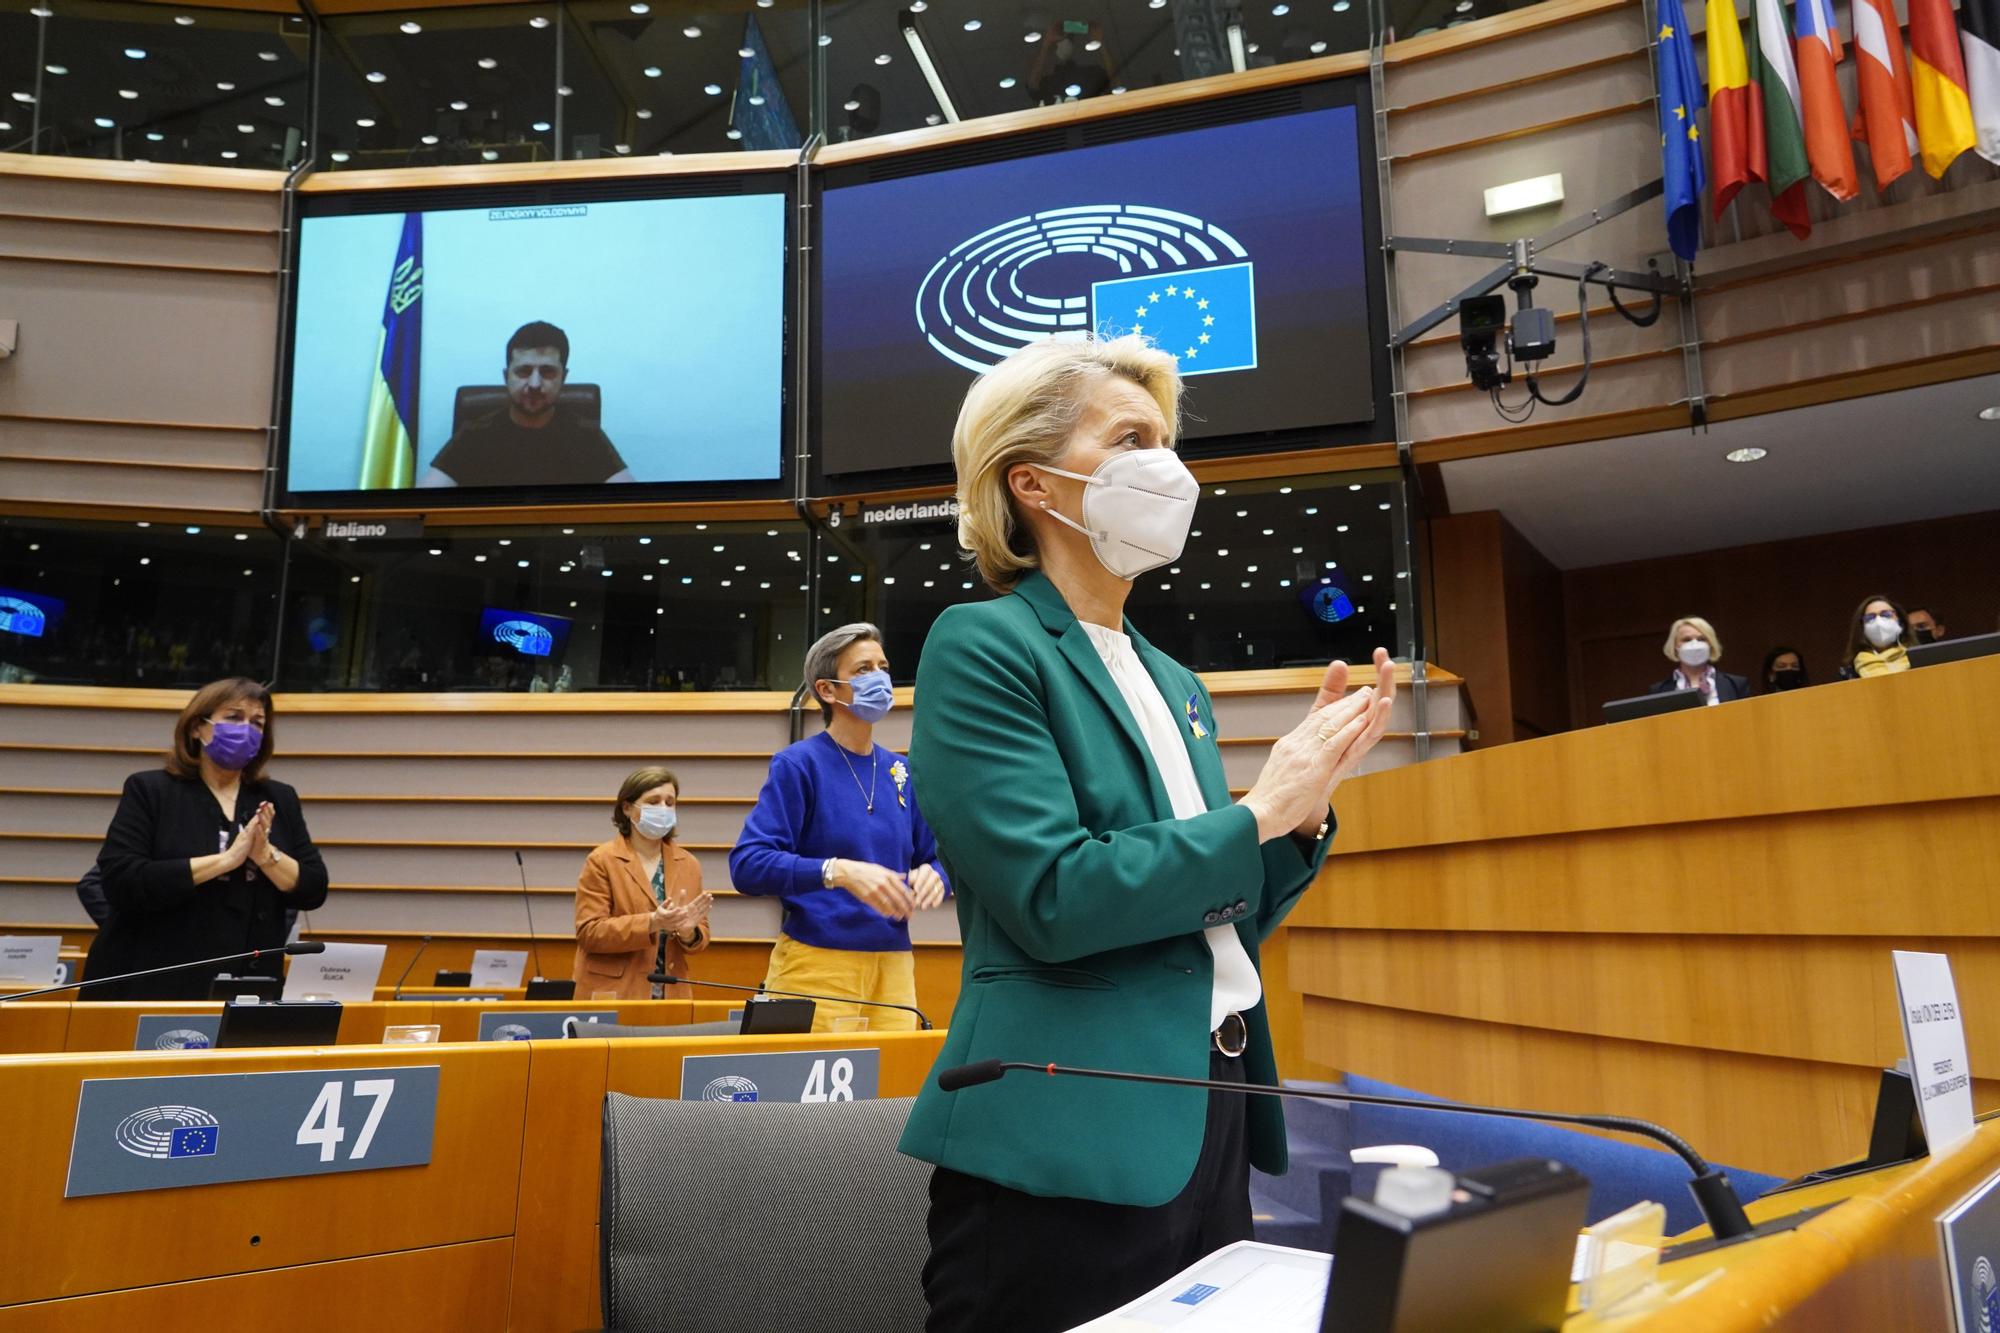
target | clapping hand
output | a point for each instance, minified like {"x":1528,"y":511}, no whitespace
{"x":926,"y":887}
{"x":1328,"y":744}
{"x":675,"y":918}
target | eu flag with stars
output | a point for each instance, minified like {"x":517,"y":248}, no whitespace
{"x":1681,"y":97}
{"x":193,"y":1141}
{"x":1205,"y":317}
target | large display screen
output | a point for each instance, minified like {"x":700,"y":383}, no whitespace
{"x":1240,"y":248}
{"x":31,"y":615}
{"x":519,"y":349}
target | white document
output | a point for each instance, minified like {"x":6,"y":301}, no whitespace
{"x":1247,"y":1287}
{"x":498,"y":967}
{"x":345,"y":972}
{"x":30,"y":961}
{"x":1934,"y":1027}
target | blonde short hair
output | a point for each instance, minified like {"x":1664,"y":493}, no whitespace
{"x":1706,"y":630}
{"x":1024,"y":410}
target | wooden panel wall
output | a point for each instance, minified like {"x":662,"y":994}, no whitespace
{"x":148,"y":313}
{"x":1687,"y":919}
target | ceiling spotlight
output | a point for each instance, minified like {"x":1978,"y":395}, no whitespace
{"x":153,"y":136}
{"x":712,"y":89}
{"x":1073,"y":90}
{"x":1990,"y":413}
{"x":1463,"y":6}
{"x":42,"y":12}
{"x":1093,"y":45}
{"x":540,"y":127}
{"x":644,"y":113}
{"x":691,"y":31}
{"x":1279,"y":11}
{"x":488,"y":62}
{"x":1007,"y":82}
{"x":341,"y":156}
{"x":225,"y":87}
{"x":1342,"y":6}
{"x":246,"y":128}
{"x":56,"y":69}
{"x":933,"y":119}
{"x":972,"y":25}
{"x":491,"y":154}
{"x":745,"y":53}
{"x":134,"y":53}
{"x":229,"y":154}
{"x":411,"y":26}
{"x":267,"y":55}
{"x":732,"y":134}
{"x":458,"y":106}
{"x":756,"y":99}
{"x":641,"y":7}
{"x":1031,"y":37}
{"x":851,"y":104}
{"x":621,"y":147}
{"x":128,"y":94}
{"x":274,"y":100}
{"x":104,"y":124}
{"x":1118,"y":90}
{"x":563,"y":90}
{"x":919,"y":6}
{"x":1748,"y":454}
{"x":1317,"y":48}
{"x":429,"y":139}
{"x":366,"y":122}
{"x":539,"y":21}
{"x":185,"y":20}
{"x":826,"y":39}
{"x":377,"y":76}
{"x":882,"y":59}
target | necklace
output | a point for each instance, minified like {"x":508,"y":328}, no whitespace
{"x":874,"y":759}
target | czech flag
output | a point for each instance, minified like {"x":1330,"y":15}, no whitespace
{"x":1937,"y":81}
{"x":389,"y":438}
{"x":1824,"y":115}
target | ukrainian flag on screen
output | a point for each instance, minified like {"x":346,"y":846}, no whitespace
{"x":1206,"y":318}
{"x":389,"y":437}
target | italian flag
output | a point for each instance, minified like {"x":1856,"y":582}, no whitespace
{"x":1773,"y":70}
{"x":1735,"y":108}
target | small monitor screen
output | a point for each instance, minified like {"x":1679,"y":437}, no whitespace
{"x":522,"y":634}
{"x":1238,"y":248}
{"x":524,"y":348}
{"x":28,"y":615}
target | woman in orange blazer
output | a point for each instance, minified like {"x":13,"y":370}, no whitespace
{"x":639,"y":902}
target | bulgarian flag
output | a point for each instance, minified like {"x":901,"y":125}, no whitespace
{"x":1886,"y":121}
{"x":1828,"y":148}
{"x":1980,"y":21}
{"x":1735,"y":108}
{"x":1769,"y":56}
{"x":1937,"y":80}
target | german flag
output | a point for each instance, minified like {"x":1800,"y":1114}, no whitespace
{"x":1937,"y":82}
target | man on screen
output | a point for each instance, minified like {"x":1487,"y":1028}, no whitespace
{"x":532,"y":441}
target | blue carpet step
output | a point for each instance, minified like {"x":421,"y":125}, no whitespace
{"x":1278,"y":1225}
{"x":1318,"y":1180}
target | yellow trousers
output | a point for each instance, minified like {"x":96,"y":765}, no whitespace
{"x":888,"y":977}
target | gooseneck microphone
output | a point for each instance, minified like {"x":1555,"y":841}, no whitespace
{"x":249,"y":956}
{"x":528,"y":906}
{"x":410,"y":967}
{"x":668,"y":979}
{"x":1713,"y":1195}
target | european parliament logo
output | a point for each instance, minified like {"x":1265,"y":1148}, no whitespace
{"x":165,"y":1132}
{"x":1183,"y":282}
{"x":730,"y":1088}
{"x":525,"y":637}
{"x":20,"y":616}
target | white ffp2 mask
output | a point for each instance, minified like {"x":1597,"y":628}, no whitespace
{"x":1694,"y":652}
{"x":1882,"y":631}
{"x":1137,"y":509}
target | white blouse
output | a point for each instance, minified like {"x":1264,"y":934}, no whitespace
{"x":1237,"y":985}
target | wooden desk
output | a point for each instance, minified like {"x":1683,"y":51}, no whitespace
{"x":1686,"y":918}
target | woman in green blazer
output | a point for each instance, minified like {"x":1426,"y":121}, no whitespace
{"x":1110,"y":895}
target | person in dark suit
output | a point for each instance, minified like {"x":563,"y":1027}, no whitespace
{"x":205,"y":856}
{"x":1111,"y":895}
{"x":1694,"y":648}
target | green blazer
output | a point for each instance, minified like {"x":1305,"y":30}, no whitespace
{"x":1081,"y":902}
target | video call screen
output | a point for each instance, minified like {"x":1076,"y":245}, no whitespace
{"x":523,"y":348}
{"x":1238,"y":248}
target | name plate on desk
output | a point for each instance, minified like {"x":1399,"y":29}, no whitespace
{"x":782,"y":1076}
{"x":137,"y":1134}
{"x":1935,"y":1030}
{"x":1972,"y":1254}
{"x":177,"y":1032}
{"x":31,"y":960}
{"x":537,"y":1025}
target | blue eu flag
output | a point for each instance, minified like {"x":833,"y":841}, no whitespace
{"x":193,"y":1141}
{"x":1681,"y":96}
{"x":1206,"y":317}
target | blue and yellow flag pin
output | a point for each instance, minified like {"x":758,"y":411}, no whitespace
{"x":1194,"y":716}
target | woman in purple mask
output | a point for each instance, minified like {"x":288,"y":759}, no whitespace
{"x":205,"y":856}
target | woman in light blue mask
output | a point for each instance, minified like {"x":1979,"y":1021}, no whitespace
{"x":639,"y":901}
{"x":837,"y":836}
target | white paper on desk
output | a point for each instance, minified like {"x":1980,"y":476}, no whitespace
{"x":498,"y":967}
{"x":345,"y":972}
{"x":1247,"y":1287}
{"x":30,"y":960}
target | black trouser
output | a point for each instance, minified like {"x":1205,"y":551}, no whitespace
{"x":1005,"y":1260}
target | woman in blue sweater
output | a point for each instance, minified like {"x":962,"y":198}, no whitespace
{"x":836,"y":834}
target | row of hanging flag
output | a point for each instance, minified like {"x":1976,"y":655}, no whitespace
{"x":1775,"y":111}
